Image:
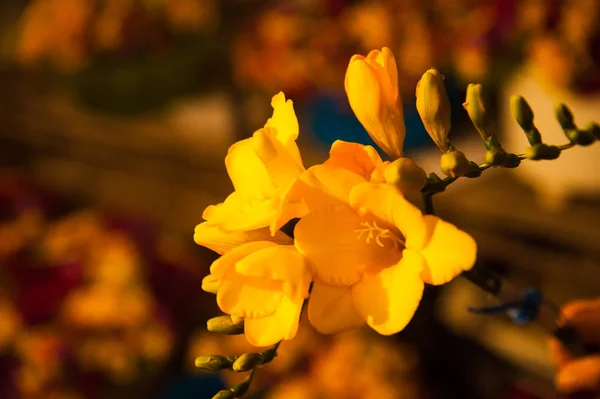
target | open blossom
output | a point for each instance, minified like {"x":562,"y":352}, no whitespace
{"x":370,"y":249}
{"x":372,"y":88}
{"x":262,"y":169}
{"x":265,"y":284}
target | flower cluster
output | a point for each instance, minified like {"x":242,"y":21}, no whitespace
{"x":361,"y":253}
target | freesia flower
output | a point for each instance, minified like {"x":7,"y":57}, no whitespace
{"x":372,"y":89}
{"x":265,"y":284}
{"x":263,"y":169}
{"x":370,"y":249}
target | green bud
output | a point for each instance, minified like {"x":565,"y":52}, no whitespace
{"x":495,"y":156}
{"x":522,"y":112}
{"x":594,"y":129}
{"x":433,"y":106}
{"x":240,"y":389}
{"x":512,"y":161}
{"x":213,"y":363}
{"x":405,"y":175}
{"x":248,"y":361}
{"x":454,"y":164}
{"x":564,"y":116}
{"x":226,"y":325}
{"x":476,"y":104}
{"x":580,"y":137}
{"x":542,"y":151}
{"x":225,"y":394}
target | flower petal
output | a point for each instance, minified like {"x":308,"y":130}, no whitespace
{"x":248,"y":297}
{"x":357,"y":158}
{"x":281,"y":167}
{"x":292,"y":206}
{"x":284,"y":118}
{"x":325,"y":186}
{"x":387,"y":204}
{"x":448,"y":253}
{"x":387,"y":300}
{"x":332,"y":240}
{"x":220,"y":241}
{"x":331,"y":310}
{"x":240,"y":214}
{"x":247,"y":172}
{"x":282,"y":262}
{"x":282,"y":325}
{"x":220,"y":266}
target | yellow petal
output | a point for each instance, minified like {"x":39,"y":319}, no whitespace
{"x":220,"y":241}
{"x":220,"y":266}
{"x":388,"y":300}
{"x":291,"y":206}
{"x":433,"y":106}
{"x":282,"y":325}
{"x":388,"y":205}
{"x":448,"y":253}
{"x":357,"y":158}
{"x":247,"y":172}
{"x":387,"y":72}
{"x":325,"y":186}
{"x":331,"y":310}
{"x":210,"y":284}
{"x":248,"y":297}
{"x":240,"y":214}
{"x":279,"y":163}
{"x":284,"y":118}
{"x":282,"y":262}
{"x":339,"y":254}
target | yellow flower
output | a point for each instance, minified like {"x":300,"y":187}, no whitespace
{"x":372,"y":89}
{"x":371,"y":250}
{"x":266,"y":284}
{"x":433,"y":106}
{"x":263,"y":169}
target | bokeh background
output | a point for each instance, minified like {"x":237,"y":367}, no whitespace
{"x":115,"y":116}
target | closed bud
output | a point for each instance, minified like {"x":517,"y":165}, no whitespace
{"x":433,"y":106}
{"x":542,"y":151}
{"x":226,"y":325}
{"x":248,"y":361}
{"x":454,"y":164}
{"x":476,"y":104}
{"x":594,"y":129}
{"x":405,"y":175}
{"x":213,"y":363}
{"x":522,"y":112}
{"x":564,"y":116}
{"x":224,"y":394}
{"x":210,"y":284}
{"x":580,"y":137}
{"x":495,"y":156}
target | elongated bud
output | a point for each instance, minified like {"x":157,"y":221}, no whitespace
{"x":522,"y":112}
{"x":226,"y":325}
{"x":248,"y":361}
{"x":476,"y":104}
{"x":210,"y":284}
{"x":433,"y":106}
{"x":213,"y":363}
{"x":224,"y":394}
{"x":564,"y":116}
{"x":542,"y":151}
{"x":240,"y":389}
{"x":454,"y":164}
{"x":405,"y":175}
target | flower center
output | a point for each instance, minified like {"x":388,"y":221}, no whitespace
{"x":374,"y":232}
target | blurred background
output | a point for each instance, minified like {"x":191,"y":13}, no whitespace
{"x":116,"y":115}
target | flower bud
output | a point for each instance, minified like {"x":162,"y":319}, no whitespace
{"x":564,"y":116}
{"x":405,"y":175}
{"x":454,"y":164}
{"x":477,"y":108}
{"x":522,"y":112}
{"x":210,"y":284}
{"x":226,"y":325}
{"x":372,"y":88}
{"x":213,"y":363}
{"x":594,"y":129}
{"x":542,"y":151}
{"x":248,"y":361}
{"x":433,"y":106}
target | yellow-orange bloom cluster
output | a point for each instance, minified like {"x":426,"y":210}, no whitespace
{"x":366,"y":249}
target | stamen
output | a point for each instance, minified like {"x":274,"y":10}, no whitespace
{"x":373,"y":231}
